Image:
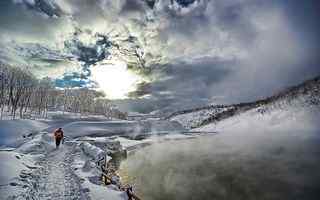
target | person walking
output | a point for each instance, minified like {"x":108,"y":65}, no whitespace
{"x":58,"y":136}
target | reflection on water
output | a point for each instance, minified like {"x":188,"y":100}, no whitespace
{"x":116,"y":159}
{"x":209,"y":168}
{"x":127,"y":178}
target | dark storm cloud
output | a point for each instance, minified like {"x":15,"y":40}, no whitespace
{"x":231,"y":50}
{"x":277,"y":55}
{"x":49,"y":8}
{"x":182,"y":85}
{"x":133,"y":5}
{"x":19,"y":23}
{"x":190,"y":80}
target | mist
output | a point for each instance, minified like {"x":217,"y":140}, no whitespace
{"x":254,"y":156}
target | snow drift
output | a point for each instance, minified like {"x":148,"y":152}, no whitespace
{"x":40,"y":144}
{"x":14,"y":168}
{"x":14,"y":132}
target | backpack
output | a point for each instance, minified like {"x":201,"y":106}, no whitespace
{"x":58,"y":134}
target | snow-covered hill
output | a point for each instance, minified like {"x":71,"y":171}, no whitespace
{"x":304,"y":95}
{"x":194,"y":117}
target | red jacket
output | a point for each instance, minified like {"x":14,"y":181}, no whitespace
{"x":58,"y":134}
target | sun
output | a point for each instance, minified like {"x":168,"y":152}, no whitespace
{"x":114,"y":79}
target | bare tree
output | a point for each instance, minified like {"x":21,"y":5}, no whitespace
{"x":20,"y":90}
{"x":3,"y":85}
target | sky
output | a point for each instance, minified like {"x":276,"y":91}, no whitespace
{"x":167,"y":55}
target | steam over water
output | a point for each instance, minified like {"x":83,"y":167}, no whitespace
{"x":278,"y":165}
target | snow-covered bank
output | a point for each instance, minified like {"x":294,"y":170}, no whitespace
{"x":133,"y":145}
{"x":15,"y":132}
{"x":104,"y":128}
{"x":36,"y":169}
{"x":12,"y":163}
{"x":60,"y":115}
{"x":42,"y":143}
{"x":120,"y":128}
{"x":86,"y":168}
{"x":15,"y":169}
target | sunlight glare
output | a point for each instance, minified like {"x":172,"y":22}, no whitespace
{"x":115,"y":80}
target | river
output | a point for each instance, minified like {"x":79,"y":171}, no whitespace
{"x":213,"y":167}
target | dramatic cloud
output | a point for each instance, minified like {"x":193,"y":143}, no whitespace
{"x":192,"y":52}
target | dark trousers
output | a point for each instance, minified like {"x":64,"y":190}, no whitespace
{"x":58,"y":140}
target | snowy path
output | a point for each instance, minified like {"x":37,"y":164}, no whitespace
{"x":56,"y":178}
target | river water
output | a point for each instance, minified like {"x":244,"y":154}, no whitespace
{"x":216,"y":167}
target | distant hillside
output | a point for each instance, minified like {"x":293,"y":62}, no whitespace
{"x":305,"y":94}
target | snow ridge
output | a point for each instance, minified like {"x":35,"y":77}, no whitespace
{"x":303,"y":95}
